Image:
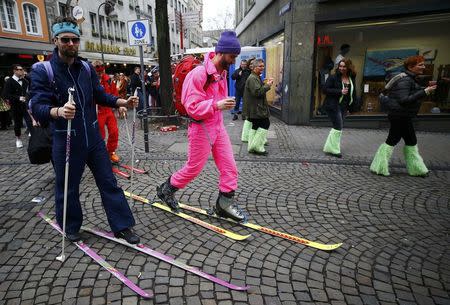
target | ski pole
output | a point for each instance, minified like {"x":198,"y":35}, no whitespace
{"x":128,"y":130}
{"x":132,"y":142}
{"x":62,"y":257}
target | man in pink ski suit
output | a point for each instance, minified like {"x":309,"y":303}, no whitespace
{"x":204,"y":95}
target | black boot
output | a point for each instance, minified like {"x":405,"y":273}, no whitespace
{"x":225,"y":207}
{"x":166,"y":193}
{"x":73,"y":237}
{"x":129,"y":236}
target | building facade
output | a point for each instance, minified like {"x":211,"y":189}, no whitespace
{"x":25,"y":30}
{"x":24,"y":33}
{"x":303,"y":36}
{"x":191,"y":34}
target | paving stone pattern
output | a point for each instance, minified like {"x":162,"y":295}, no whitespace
{"x":395,"y":229}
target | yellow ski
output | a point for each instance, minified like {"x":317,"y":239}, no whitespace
{"x":200,"y":222}
{"x":303,"y":241}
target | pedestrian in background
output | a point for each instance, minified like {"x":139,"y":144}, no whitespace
{"x":121,"y":85}
{"x":340,"y":94}
{"x":257,"y":111}
{"x":15,"y":91}
{"x":135,"y":82}
{"x":204,"y":103}
{"x":106,"y":117}
{"x":49,"y":102}
{"x":405,"y":96}
{"x":240,"y":76}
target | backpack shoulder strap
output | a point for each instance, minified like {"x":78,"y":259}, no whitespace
{"x":209,"y":80}
{"x":48,"y":68}
{"x":86,"y":66}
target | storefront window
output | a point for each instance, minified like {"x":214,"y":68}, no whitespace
{"x":378,"y":48}
{"x":274,"y":69}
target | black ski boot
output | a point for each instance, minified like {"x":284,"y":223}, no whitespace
{"x":225,"y":207}
{"x":166,"y":193}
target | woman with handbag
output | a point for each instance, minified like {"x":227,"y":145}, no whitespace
{"x":4,"y":114}
{"x":404,"y":100}
{"x":340,"y":96}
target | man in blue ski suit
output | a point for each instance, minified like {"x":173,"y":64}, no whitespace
{"x":49,"y":103}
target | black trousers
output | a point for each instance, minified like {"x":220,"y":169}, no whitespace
{"x":260,"y":123}
{"x":401,"y":127}
{"x":19,"y":113}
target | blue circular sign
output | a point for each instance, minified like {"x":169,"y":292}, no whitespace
{"x":138,"y":30}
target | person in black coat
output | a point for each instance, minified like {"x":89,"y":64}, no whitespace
{"x":240,"y":76}
{"x":15,"y":91}
{"x":135,"y":82}
{"x":404,"y":94}
{"x":340,"y":94}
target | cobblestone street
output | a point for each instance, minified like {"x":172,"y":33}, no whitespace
{"x":395,"y":230}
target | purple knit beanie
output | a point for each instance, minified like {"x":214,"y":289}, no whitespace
{"x":228,"y":43}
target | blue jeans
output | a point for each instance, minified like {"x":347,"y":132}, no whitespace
{"x":238,"y":97}
{"x":337,"y":116}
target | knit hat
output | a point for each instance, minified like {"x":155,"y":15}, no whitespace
{"x":228,"y":43}
{"x":65,"y":27}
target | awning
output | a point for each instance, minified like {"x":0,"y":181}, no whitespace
{"x":117,"y":59}
{"x":25,"y":46}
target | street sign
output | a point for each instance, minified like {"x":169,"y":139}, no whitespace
{"x":139,"y":32}
{"x":77,"y":12}
{"x":191,"y":17}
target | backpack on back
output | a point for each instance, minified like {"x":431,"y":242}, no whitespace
{"x":186,"y":65}
{"x":387,"y":104}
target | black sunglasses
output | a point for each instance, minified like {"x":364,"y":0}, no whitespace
{"x":75,"y":40}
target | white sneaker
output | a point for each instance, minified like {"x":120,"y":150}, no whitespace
{"x":19,"y":143}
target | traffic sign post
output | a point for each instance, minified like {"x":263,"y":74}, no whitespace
{"x":139,"y":34}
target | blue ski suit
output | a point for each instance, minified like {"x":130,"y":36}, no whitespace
{"x":86,"y":144}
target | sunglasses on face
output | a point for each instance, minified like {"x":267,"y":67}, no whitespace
{"x":75,"y":40}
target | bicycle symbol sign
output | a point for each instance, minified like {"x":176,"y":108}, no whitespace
{"x":139,"y":32}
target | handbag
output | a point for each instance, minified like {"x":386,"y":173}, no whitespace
{"x":40,"y":145}
{"x":355,"y":106}
{"x":4,"y":105}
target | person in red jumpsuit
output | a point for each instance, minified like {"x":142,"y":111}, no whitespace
{"x":106,"y":116}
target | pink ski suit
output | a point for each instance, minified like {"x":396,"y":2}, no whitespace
{"x":212,"y":137}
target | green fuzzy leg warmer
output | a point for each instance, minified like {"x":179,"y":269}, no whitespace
{"x":245,"y":130}
{"x":380,"y":163}
{"x":414,"y":162}
{"x":251,"y":136}
{"x":258,"y":140}
{"x":333,"y":143}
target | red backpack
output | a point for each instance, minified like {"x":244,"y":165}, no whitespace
{"x":186,"y":65}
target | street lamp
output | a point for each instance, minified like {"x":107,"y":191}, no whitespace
{"x":106,"y":3}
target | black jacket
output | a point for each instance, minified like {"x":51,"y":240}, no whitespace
{"x":240,"y":79}
{"x":135,"y":82}
{"x":407,"y":93}
{"x":333,"y":91}
{"x":13,"y":91}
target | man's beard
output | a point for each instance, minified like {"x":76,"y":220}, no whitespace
{"x":224,"y":64}
{"x":73,"y":53}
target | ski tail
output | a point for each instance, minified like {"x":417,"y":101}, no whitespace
{"x":101,"y":261}
{"x":144,"y":249}
{"x":121,"y":173}
{"x":136,"y":170}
